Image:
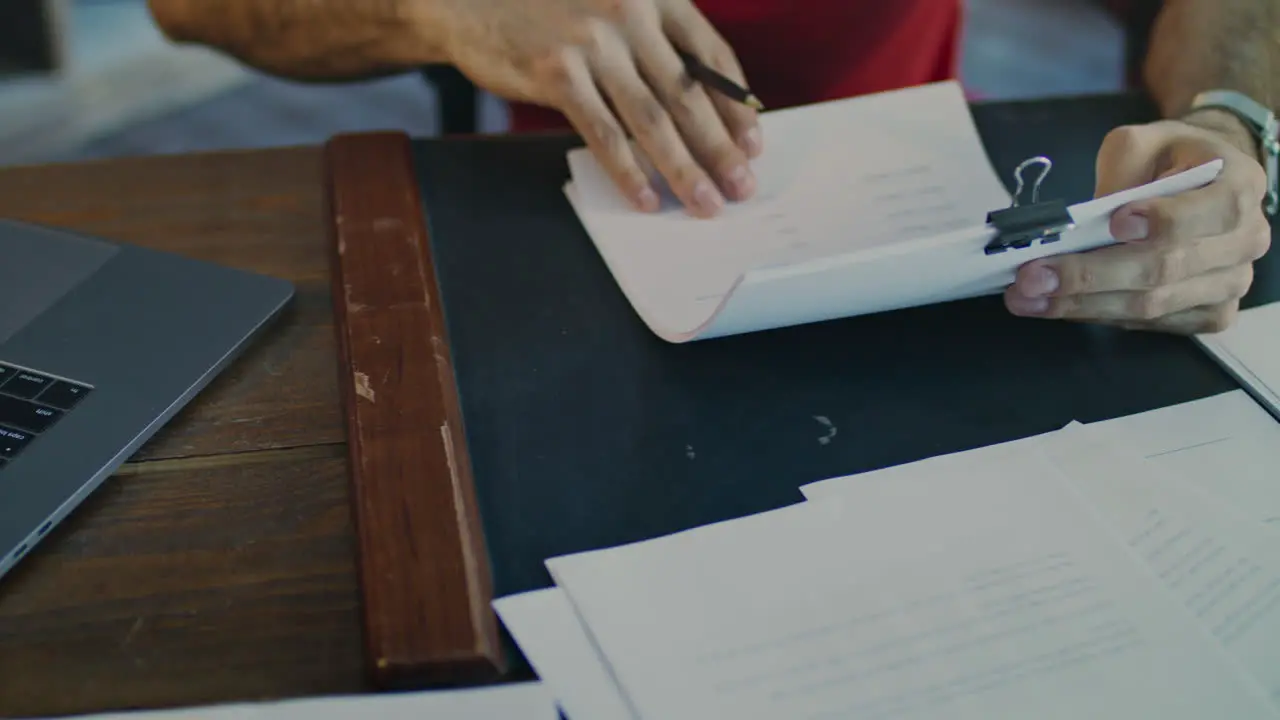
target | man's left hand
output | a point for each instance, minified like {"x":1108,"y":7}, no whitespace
{"x":1183,"y":261}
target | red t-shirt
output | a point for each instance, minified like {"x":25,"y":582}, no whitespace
{"x":796,"y":52}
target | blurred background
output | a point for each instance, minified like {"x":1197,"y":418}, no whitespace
{"x":84,"y":79}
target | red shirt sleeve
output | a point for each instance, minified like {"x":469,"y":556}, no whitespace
{"x":797,"y":52}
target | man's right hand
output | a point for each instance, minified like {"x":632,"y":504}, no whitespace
{"x":611,"y":67}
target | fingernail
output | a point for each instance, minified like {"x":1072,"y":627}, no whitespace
{"x":1038,"y":281}
{"x":1020,"y":305}
{"x":1130,"y":227}
{"x":706,"y":197}
{"x":647,"y":200}
{"x":742,"y":182}
{"x":752,"y":142}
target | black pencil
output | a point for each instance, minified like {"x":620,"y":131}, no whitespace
{"x":700,"y":72}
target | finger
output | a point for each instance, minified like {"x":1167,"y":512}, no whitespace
{"x":1193,"y":321}
{"x":1218,"y":208}
{"x":690,"y":30}
{"x":1235,"y":195}
{"x":1194,"y":144}
{"x":1138,"y":266}
{"x":1133,"y":155}
{"x":651,"y":124}
{"x":585,"y":108}
{"x":1212,"y":210}
{"x":1126,"y":159}
{"x":1213,"y":288}
{"x":695,"y":116}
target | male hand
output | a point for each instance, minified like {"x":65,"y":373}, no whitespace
{"x":611,"y":67}
{"x":1184,"y":261}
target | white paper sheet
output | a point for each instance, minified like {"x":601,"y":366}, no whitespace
{"x":865,"y":204}
{"x":1250,"y":351}
{"x":1226,"y":572}
{"x":1010,"y":601}
{"x":1224,"y":569}
{"x":964,"y":461}
{"x":1226,"y":446}
{"x":858,"y":168}
{"x":514,"y":701}
{"x":549,"y":633}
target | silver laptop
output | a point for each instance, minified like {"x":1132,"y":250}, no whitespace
{"x":100,"y":345}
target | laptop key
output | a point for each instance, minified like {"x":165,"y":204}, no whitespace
{"x":26,"y":415}
{"x":63,"y":395}
{"x":12,"y":441}
{"x":25,"y":384}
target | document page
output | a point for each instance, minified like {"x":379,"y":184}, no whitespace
{"x":1226,"y":446}
{"x":837,"y":176}
{"x":546,"y":627}
{"x":899,"y":179}
{"x":513,"y":701}
{"x":1225,"y":572}
{"x":1000,"y":598}
{"x":1250,"y":351}
{"x":965,"y":461}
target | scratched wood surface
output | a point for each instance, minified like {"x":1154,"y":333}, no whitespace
{"x":219,"y":565}
{"x":423,"y":562}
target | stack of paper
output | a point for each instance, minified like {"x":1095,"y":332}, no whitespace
{"x":866,"y":204}
{"x":1121,"y":569}
{"x":514,"y":701}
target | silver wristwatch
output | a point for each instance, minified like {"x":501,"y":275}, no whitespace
{"x":1261,"y":121}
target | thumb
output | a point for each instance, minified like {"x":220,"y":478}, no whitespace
{"x":1129,"y":157}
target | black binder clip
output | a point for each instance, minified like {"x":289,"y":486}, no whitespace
{"x":1021,"y":226}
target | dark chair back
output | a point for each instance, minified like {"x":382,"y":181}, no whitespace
{"x":457,"y":99}
{"x":1137,"y":17}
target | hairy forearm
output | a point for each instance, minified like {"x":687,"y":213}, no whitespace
{"x":1199,"y":45}
{"x":310,"y":39}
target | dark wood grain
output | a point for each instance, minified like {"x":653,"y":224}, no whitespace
{"x":423,"y":562}
{"x":188,"y":584}
{"x":219,"y":564}
{"x":262,"y":211}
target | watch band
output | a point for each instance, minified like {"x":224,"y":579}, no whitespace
{"x":1262,"y":122}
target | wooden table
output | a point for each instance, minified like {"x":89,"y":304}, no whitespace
{"x":219,"y":564}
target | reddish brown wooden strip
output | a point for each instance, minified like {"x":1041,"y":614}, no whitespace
{"x":424,"y":568}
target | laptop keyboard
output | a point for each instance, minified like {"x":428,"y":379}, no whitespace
{"x":30,"y":404}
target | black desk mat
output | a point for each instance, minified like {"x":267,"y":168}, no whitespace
{"x":586,"y":430}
